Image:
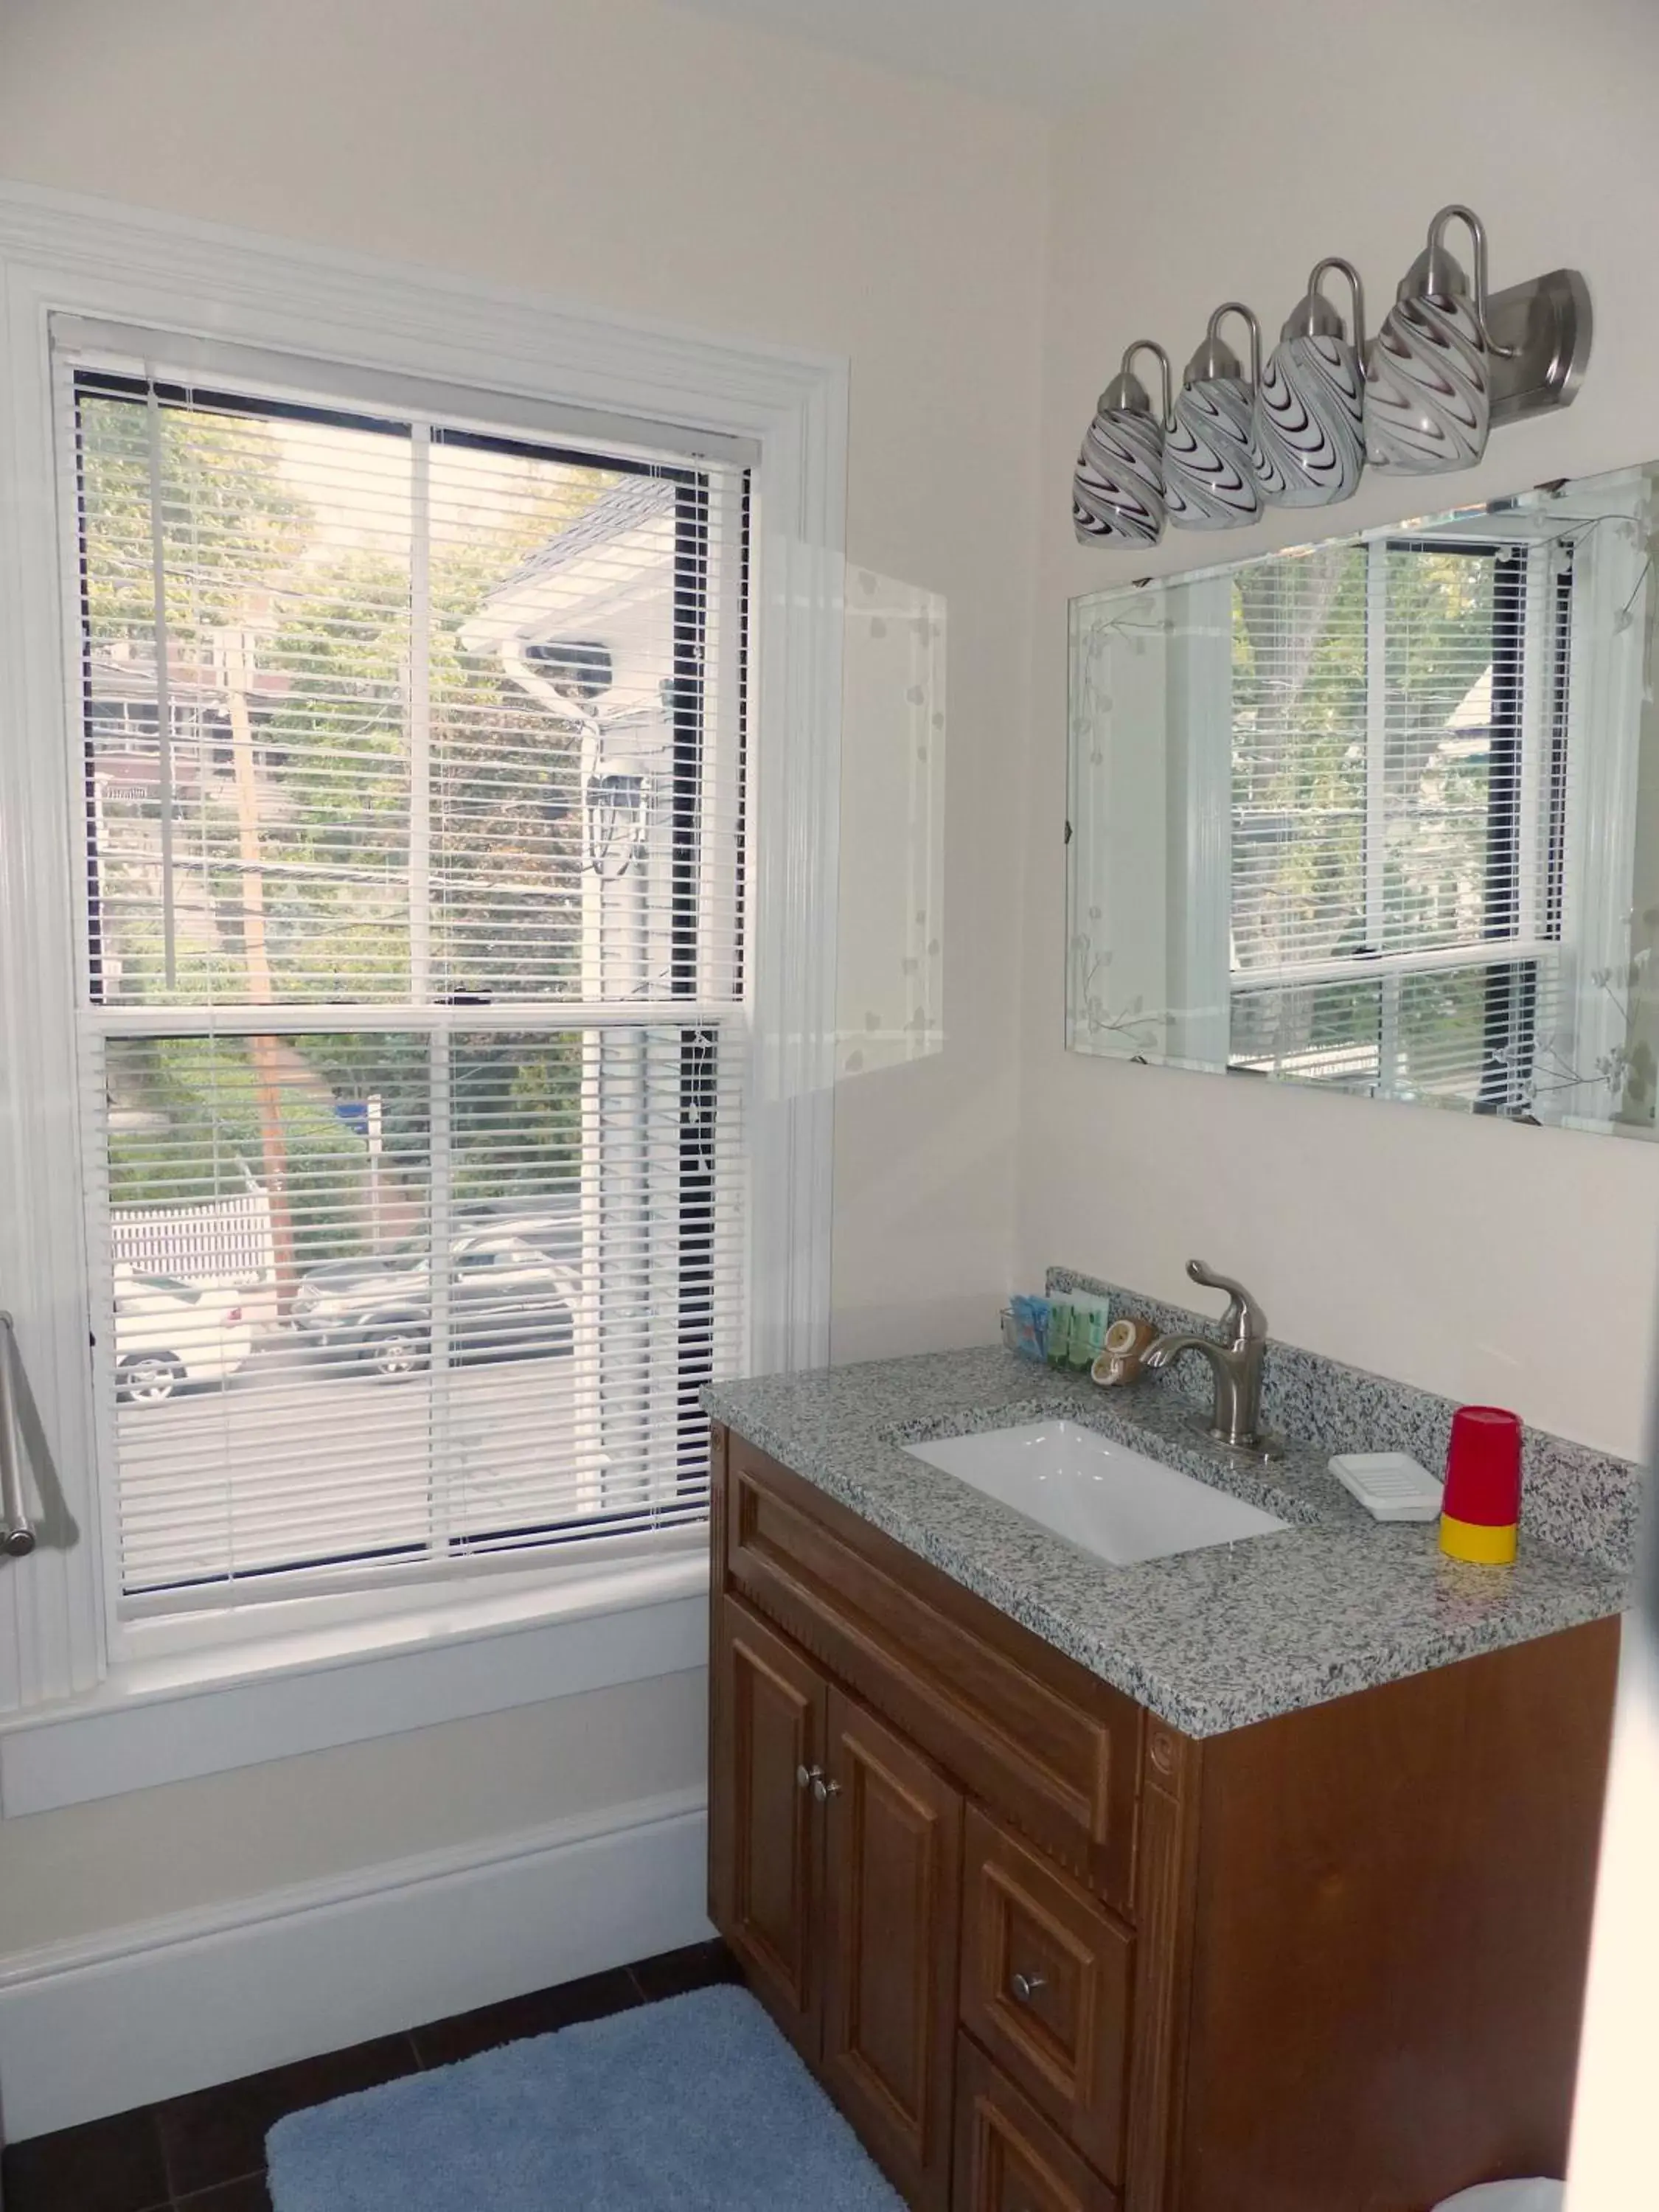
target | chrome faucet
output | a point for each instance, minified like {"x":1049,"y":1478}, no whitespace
{"x":1236,"y":1364}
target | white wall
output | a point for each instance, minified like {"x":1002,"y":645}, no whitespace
{"x":1490,"y":1262}
{"x":152,"y":1854}
{"x":667,"y":164}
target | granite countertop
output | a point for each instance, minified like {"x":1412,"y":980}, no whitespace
{"x":1209,"y":1640}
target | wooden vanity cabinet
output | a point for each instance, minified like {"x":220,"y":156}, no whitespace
{"x":1050,"y":1955}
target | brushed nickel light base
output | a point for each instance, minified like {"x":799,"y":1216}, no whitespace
{"x":1550,"y":318}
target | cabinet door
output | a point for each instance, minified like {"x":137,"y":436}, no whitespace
{"x":765,"y":1821}
{"x":894,"y":1883}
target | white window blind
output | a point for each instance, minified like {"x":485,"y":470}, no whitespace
{"x":413,"y":1026}
{"x":1399,"y":773}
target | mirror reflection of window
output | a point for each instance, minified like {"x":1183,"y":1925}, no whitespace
{"x":1380,"y":815}
{"x":1398,"y":756}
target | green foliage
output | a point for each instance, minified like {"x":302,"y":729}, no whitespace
{"x":1299,"y":716}
{"x":229,"y":517}
{"x":1300,"y":711}
{"x":201,"y":1126}
{"x":511,"y":842}
{"x":335,"y":746}
{"x":329,"y":624}
{"x":506,"y":827}
{"x":1439,"y":638}
{"x":516,"y":1116}
{"x":207,"y":1091}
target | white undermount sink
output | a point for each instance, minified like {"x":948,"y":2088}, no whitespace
{"x":1112,"y":1501}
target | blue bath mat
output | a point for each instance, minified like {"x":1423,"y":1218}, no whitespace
{"x":695,"y":2105}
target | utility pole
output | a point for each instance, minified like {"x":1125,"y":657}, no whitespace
{"x":264,"y":1053}
{"x":373,"y":1122}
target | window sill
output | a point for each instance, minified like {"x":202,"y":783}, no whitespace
{"x":173,"y":1718}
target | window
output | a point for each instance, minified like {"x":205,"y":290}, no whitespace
{"x":1398,"y":815}
{"x":413,"y":1035}
{"x":205,"y":1677}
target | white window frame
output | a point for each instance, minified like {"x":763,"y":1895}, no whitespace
{"x":313,"y":1598}
{"x":80,"y":1727}
{"x":1606,"y":675}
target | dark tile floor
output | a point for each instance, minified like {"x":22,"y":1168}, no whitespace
{"x":206,"y":2151}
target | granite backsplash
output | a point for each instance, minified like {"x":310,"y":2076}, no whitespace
{"x":1572,"y":1496}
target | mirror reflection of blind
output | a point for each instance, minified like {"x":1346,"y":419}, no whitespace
{"x":413,"y":1032}
{"x":1398,"y":815}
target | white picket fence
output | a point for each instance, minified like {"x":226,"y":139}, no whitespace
{"x":222,"y":1241}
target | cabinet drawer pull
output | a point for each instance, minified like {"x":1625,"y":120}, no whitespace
{"x":824,"y":1791}
{"x":1025,"y":1986}
{"x":808,"y":1777}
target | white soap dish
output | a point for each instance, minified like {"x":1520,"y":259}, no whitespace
{"x":1391,"y":1485}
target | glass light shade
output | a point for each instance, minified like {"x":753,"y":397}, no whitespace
{"x":1428,"y":391}
{"x":1213,"y":466}
{"x":1428,"y":384}
{"x":1309,"y":420}
{"x":1117,"y":487}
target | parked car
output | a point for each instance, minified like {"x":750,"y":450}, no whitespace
{"x":169,"y":1332}
{"x":552,"y":1225}
{"x":505,"y":1297}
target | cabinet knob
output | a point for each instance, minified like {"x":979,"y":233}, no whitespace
{"x":807,"y":1776}
{"x":824,"y":1791}
{"x":1025,"y":1986}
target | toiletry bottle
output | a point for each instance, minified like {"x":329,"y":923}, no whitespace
{"x":1089,"y":1322}
{"x":1061,"y":1320}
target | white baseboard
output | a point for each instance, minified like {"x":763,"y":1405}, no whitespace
{"x":171,"y":2005}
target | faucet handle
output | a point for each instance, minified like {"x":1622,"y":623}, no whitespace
{"x":1244,"y":1320}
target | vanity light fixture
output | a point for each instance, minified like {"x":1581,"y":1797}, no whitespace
{"x":1215,"y":474}
{"x":1117,"y":487}
{"x":1450,"y":365}
{"x":1310,"y":406}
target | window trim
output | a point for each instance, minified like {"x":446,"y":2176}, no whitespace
{"x":335,"y":383}
{"x":1602,"y":725}
{"x":61,"y":255}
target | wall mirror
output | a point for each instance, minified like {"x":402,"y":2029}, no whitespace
{"x":1381,"y":814}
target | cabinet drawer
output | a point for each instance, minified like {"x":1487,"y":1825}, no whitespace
{"x":1053,"y":1750}
{"x":1046,"y":1979}
{"x":1008,"y":2158}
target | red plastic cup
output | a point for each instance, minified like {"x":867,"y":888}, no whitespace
{"x":1482,"y":1503}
